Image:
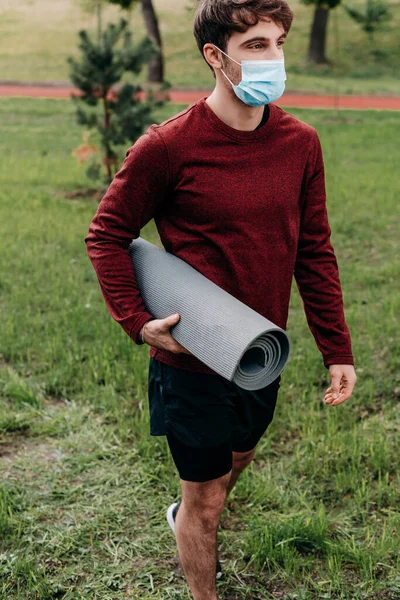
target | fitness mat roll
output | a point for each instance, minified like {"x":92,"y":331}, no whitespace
{"x":221,"y":331}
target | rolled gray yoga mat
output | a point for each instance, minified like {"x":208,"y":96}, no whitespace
{"x":224,"y":333}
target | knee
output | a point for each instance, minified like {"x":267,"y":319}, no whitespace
{"x":241,"y":460}
{"x":207,"y":508}
{"x":210,"y":514}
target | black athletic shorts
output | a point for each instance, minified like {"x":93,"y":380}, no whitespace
{"x":205,"y":417}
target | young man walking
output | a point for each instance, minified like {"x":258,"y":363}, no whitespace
{"x":236,"y":188}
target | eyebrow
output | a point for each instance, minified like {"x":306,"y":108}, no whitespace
{"x":260,"y":38}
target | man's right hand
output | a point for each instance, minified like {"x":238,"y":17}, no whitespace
{"x":157,"y":334}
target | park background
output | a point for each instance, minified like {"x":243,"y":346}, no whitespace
{"x":84,"y":488}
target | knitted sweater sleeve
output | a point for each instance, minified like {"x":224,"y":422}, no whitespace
{"x":316,"y":270}
{"x":131,"y":201}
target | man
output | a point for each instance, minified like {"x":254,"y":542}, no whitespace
{"x":236,"y":188}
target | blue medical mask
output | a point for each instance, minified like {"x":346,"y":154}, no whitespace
{"x":263,"y":81}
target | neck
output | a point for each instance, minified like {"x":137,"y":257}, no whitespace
{"x":227,"y":106}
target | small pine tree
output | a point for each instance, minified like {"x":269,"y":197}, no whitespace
{"x":375,"y":13}
{"x":123,"y":117}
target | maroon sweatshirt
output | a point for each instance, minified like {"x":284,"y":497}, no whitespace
{"x":245,"y":208}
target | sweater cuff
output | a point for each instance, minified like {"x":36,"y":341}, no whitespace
{"x":137,"y":326}
{"x":344,"y":359}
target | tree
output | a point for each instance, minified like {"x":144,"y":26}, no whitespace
{"x":102,"y":65}
{"x":94,"y":7}
{"x":375,"y":13}
{"x":317,"y":44}
{"x":156,"y":64}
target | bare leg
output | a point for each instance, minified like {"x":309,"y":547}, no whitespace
{"x":240,"y":461}
{"x":196,"y":527}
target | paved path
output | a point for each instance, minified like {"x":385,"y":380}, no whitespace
{"x":189,"y":96}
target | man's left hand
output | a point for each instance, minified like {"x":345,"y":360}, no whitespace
{"x":343,"y":380}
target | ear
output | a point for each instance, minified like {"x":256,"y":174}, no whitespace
{"x":211,"y":55}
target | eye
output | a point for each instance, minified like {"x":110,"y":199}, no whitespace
{"x":255,"y":45}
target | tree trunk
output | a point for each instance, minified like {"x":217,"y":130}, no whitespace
{"x":156,"y":64}
{"x":99,"y":21}
{"x":316,"y":49}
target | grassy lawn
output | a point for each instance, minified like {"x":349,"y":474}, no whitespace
{"x":38,"y":35}
{"x":84,"y":487}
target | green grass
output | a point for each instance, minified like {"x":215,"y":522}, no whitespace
{"x":38,"y":35}
{"x":84,"y":487}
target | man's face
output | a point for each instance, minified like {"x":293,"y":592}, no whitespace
{"x":263,"y":41}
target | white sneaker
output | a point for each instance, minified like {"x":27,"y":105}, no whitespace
{"x":171,"y":515}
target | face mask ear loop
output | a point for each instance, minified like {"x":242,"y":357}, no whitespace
{"x":231,"y":59}
{"x":227,"y":78}
{"x":228,"y":55}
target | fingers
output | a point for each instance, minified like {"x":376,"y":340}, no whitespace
{"x":343,"y":380}
{"x":329,"y":394}
{"x":171,"y":343}
{"x":174,"y":346}
{"x":178,"y":348}
{"x":345,"y":392}
{"x":336,"y":377}
{"x":185,"y":351}
{"x":340,"y":398}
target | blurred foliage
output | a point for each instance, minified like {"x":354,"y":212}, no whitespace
{"x":122,"y":116}
{"x":375,"y":14}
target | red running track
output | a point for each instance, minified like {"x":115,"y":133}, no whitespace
{"x":189,"y":96}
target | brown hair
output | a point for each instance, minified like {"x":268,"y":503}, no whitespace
{"x":216,"y":20}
